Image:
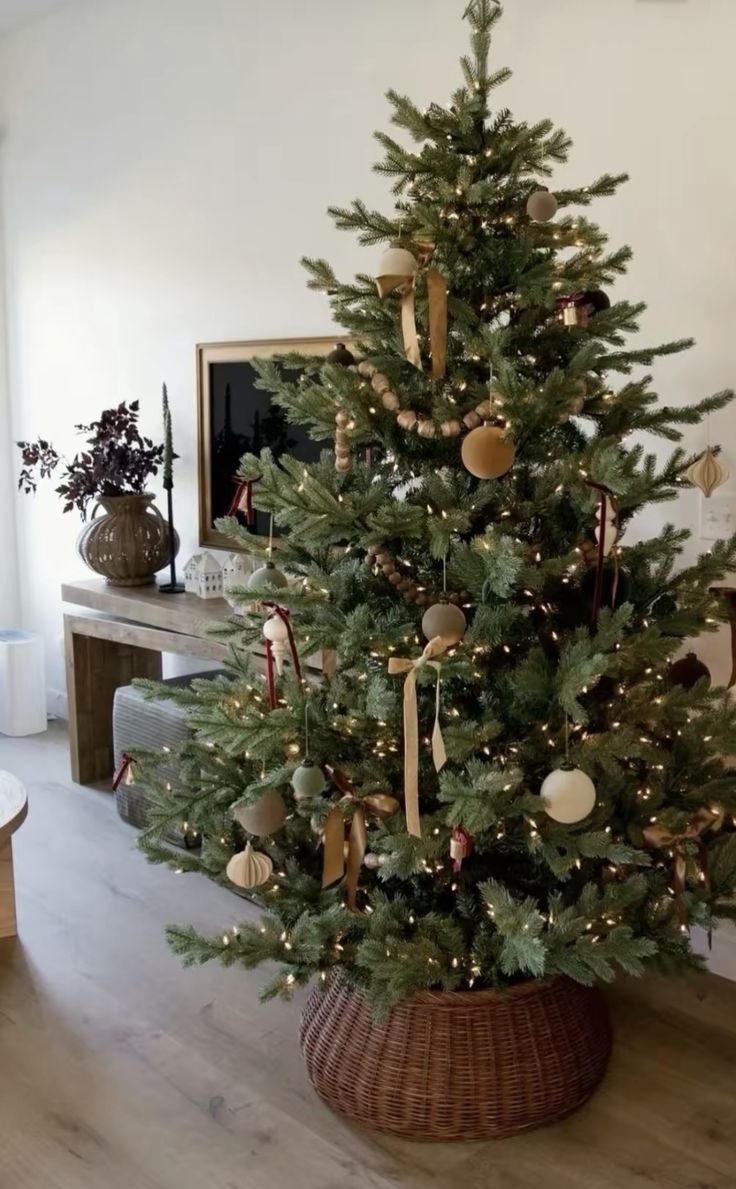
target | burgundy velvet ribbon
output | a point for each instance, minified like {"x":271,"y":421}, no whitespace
{"x":243,"y":492}
{"x":463,"y":839}
{"x":338,"y":778}
{"x":125,"y":761}
{"x":570,"y":299}
{"x":604,"y":496}
{"x":283,"y":614}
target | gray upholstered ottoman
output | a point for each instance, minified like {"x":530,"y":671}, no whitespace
{"x":145,"y":722}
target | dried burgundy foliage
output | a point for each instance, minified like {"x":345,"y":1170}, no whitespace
{"x":117,"y":460}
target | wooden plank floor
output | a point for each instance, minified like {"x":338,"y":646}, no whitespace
{"x":120,"y":1070}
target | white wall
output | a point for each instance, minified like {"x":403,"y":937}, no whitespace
{"x":166,"y":163}
{"x":9,"y":587}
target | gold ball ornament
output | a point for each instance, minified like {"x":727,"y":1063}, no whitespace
{"x":541,"y":206}
{"x":707,"y":472}
{"x":264,"y":817}
{"x":249,"y":868}
{"x":486,"y":452}
{"x":446,"y":621}
{"x":568,"y":795}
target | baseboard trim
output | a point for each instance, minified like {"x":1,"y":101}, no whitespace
{"x":57,"y":705}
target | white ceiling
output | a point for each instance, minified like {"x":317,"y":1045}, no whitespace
{"x":14,"y":13}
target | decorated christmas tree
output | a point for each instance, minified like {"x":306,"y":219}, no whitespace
{"x":495,"y":772}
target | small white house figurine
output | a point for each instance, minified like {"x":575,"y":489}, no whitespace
{"x":203,"y":576}
{"x":235,"y":573}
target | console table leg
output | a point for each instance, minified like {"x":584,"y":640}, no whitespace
{"x":7,"y":892}
{"x":95,"y":668}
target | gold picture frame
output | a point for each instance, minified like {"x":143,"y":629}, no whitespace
{"x":228,"y":356}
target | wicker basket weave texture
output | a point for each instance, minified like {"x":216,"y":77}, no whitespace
{"x":144,"y":722}
{"x":458,"y":1065}
{"x":129,"y":543}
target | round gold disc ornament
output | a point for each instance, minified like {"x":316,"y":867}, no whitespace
{"x":487,"y":453}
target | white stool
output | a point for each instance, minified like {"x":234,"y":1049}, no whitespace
{"x":22,"y":684}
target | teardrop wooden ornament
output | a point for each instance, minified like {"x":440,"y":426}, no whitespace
{"x":249,"y":868}
{"x":707,"y":472}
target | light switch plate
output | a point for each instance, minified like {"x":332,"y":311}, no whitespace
{"x":718,"y":516}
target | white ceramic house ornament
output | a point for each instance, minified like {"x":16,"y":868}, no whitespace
{"x":190,"y":574}
{"x":203,"y":576}
{"x":235,"y":573}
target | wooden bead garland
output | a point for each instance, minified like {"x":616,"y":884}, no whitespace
{"x":378,"y":557}
{"x":343,"y":459}
{"x":418,"y":423}
{"x":380,"y":385}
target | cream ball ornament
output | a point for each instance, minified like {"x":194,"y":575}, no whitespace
{"x":265,"y":816}
{"x":307,"y":780}
{"x":487,"y":453}
{"x":568,"y":795}
{"x":541,"y":206}
{"x":266,"y":578}
{"x":394,"y":265}
{"x":446,"y":621}
{"x":249,"y":868}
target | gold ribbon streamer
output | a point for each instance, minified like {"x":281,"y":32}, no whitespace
{"x":396,"y":665}
{"x":339,"y":859}
{"x":436,"y":311}
{"x":660,"y":838}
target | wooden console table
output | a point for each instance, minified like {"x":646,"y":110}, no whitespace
{"x":13,"y":810}
{"x":122,"y":636}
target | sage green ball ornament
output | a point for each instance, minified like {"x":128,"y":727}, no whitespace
{"x":307,"y":780}
{"x":266,"y":578}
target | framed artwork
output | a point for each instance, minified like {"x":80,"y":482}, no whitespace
{"x":235,"y":418}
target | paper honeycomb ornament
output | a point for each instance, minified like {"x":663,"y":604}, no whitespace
{"x":707,"y":472}
{"x":249,"y":868}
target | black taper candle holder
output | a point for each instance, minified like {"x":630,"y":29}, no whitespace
{"x":172,"y":586}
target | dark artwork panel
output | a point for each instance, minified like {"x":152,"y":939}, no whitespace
{"x":243,"y":420}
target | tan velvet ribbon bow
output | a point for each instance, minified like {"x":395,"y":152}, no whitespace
{"x":411,"y":667}
{"x":436,"y":310}
{"x":338,"y":859}
{"x":660,"y":838}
